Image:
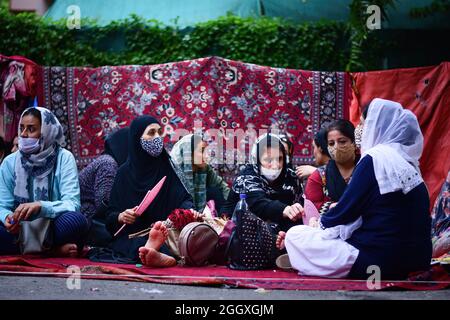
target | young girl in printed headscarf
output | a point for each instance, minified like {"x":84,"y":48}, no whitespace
{"x":202,"y":181}
{"x":41,"y":180}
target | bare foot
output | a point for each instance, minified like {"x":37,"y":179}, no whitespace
{"x":280,"y":240}
{"x":67,"y":250}
{"x":157,"y":235}
{"x":152,"y":258}
{"x":84,"y":252}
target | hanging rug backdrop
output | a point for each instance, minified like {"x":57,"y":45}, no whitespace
{"x":209,"y":93}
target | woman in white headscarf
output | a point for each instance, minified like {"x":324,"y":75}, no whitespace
{"x":386,"y":195}
{"x":41,"y":180}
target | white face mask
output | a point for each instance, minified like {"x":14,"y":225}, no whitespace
{"x":29,"y":145}
{"x":270,"y":174}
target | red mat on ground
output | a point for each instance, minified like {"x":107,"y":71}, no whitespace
{"x":437,"y":278}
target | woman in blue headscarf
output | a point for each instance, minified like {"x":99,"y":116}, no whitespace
{"x":41,"y":180}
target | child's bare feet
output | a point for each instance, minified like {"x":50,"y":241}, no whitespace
{"x":149,"y":254}
{"x":157,"y":235}
{"x":280,"y":240}
{"x":152,"y":258}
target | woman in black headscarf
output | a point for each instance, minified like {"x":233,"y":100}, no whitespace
{"x":147,"y":163}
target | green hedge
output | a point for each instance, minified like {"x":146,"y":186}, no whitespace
{"x":319,"y":46}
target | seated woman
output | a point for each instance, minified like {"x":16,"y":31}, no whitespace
{"x":97,"y":178}
{"x":273,"y":191}
{"x":386,"y":195}
{"x":321,"y":155}
{"x":202,"y":181}
{"x":327,"y":184}
{"x":440,"y":224}
{"x":41,"y":181}
{"x":148,"y":162}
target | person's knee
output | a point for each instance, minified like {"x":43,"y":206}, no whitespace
{"x":293,"y":232}
{"x":82,"y":223}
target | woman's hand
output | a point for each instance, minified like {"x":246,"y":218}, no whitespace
{"x":128,"y":216}
{"x":294,"y":212}
{"x":303,"y":172}
{"x":11,"y":225}
{"x":25,"y":210}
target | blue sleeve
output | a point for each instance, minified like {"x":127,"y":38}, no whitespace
{"x":66,"y":187}
{"x":356,"y":196}
{"x":7,"y":187}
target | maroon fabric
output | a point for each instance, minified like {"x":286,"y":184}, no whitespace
{"x":437,"y":278}
{"x":426,"y":92}
{"x":18,"y":83}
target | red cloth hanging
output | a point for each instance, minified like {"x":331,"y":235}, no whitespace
{"x":18,"y":78}
{"x":426,"y":92}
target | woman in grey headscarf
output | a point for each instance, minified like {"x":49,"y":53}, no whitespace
{"x":41,"y":180}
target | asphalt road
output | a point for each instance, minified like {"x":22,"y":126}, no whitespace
{"x":50,"y":288}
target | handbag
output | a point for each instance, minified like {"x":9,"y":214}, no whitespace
{"x":36,"y":236}
{"x":197,"y":244}
{"x":172,"y":242}
{"x":252,"y":245}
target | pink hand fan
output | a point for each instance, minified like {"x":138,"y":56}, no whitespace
{"x":149,"y":197}
{"x":310,"y":211}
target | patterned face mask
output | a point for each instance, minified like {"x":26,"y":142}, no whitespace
{"x":358,"y":135}
{"x":153,"y":147}
{"x":342,"y":154}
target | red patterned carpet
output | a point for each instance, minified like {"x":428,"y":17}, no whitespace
{"x":208,"y":93}
{"x":437,"y":278}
